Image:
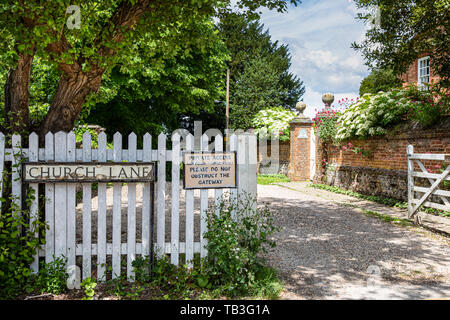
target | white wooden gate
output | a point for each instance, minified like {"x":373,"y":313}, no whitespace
{"x":60,"y":198}
{"x":435,"y":179}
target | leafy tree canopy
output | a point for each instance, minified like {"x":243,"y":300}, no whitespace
{"x":379,"y":80}
{"x":109,"y":33}
{"x":407,"y":29}
{"x":154,"y":98}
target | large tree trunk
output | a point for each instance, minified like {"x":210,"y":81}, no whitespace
{"x":73,"y":88}
{"x":17,"y":95}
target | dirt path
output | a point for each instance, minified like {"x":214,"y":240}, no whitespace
{"x":327,"y":250}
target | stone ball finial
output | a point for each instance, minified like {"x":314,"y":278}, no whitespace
{"x":328,"y":99}
{"x":301,"y":106}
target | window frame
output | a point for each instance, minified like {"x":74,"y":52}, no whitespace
{"x":420,"y":83}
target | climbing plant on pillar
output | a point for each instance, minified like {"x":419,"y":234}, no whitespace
{"x":325,"y":126}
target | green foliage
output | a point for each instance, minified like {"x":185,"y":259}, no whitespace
{"x":52,"y":277}
{"x":154,"y":97}
{"x":357,"y":150}
{"x":237,"y":236}
{"x":18,"y":245}
{"x":428,"y":107}
{"x":139,"y":38}
{"x":379,"y":80}
{"x":378,"y":199}
{"x":234,"y":266}
{"x":388,"y":219}
{"x":265,"y":179}
{"x":325,"y":124}
{"x":386,"y":201}
{"x":408,"y":28}
{"x":273,"y":123}
{"x":259,"y":70}
{"x":373,"y":115}
{"x":88,"y":286}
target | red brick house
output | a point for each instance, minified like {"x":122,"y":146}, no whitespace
{"x":420,"y":72}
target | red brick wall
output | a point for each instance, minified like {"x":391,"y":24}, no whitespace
{"x":390,"y":152}
{"x":299,"y":168}
{"x":384,"y":171}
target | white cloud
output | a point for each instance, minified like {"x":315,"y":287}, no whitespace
{"x":319,"y":34}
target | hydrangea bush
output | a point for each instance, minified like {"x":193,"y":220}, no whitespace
{"x":373,"y":115}
{"x":273,"y":123}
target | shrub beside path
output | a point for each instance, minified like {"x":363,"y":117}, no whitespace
{"x":329,"y":249}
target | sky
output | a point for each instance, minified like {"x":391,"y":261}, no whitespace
{"x":319,"y":34}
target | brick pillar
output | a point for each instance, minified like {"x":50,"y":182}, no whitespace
{"x":299,"y":167}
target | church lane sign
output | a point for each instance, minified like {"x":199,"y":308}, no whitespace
{"x":214,"y":170}
{"x":40,"y":172}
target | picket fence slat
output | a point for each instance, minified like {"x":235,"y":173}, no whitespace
{"x":60,"y":198}
{"x":87,"y":209}
{"x":49,"y":203}
{"x":251,"y":174}
{"x":146,"y":205}
{"x":234,"y":191}
{"x":16,"y":186}
{"x":131,"y":224}
{"x":71,"y":204}
{"x":161,"y":195}
{"x":218,"y":193}
{"x":101,"y":213}
{"x":242,"y":165}
{"x":189,"y":213}
{"x":117,"y":211}
{"x":203,"y":206}
{"x":34,"y":214}
{"x":175,"y":214}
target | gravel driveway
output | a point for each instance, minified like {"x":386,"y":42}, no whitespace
{"x":331,"y":251}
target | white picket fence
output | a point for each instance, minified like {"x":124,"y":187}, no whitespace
{"x":434,"y":179}
{"x":60,"y":198}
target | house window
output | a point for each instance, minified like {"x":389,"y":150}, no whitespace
{"x":423,"y":72}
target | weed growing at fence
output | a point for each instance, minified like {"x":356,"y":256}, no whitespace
{"x":52,"y":277}
{"x":88,"y":286}
{"x":238,"y":234}
{"x":18,"y":245}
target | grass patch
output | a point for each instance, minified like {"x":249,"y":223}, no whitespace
{"x":389,"y":219}
{"x":382,"y":200}
{"x":265,"y":179}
